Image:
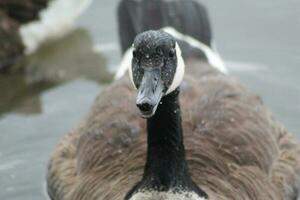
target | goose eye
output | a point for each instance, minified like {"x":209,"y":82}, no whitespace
{"x":134,"y":53}
{"x":172,"y":53}
{"x":160,"y":52}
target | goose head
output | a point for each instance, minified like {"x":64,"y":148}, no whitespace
{"x":157,"y":69}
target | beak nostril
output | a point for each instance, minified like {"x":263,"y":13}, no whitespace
{"x":145,"y":106}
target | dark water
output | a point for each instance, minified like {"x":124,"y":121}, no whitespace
{"x":49,"y":92}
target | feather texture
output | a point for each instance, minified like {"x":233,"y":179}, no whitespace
{"x":235,"y":149}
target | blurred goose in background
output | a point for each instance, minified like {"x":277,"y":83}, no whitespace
{"x":25,"y":24}
{"x":197,"y":40}
{"x":211,"y":138}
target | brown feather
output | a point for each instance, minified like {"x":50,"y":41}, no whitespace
{"x":235,"y":148}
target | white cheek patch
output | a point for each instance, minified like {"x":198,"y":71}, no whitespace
{"x":212,"y":56}
{"x":130,"y":57}
{"x":155,"y":195}
{"x":179,"y":71}
{"x":127,"y":62}
{"x":126,"y":65}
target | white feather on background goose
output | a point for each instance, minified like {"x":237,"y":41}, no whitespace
{"x":213,"y":57}
{"x":56,"y":20}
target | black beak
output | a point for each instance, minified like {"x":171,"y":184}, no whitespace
{"x":150,"y":93}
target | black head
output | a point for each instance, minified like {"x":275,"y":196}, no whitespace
{"x":157,"y":69}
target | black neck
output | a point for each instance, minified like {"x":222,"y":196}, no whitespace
{"x":166,"y":165}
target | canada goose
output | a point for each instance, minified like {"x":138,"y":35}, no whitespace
{"x":188,"y":17}
{"x":25,"y":24}
{"x":233,"y":149}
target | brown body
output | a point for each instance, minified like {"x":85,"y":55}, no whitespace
{"x":234,"y":147}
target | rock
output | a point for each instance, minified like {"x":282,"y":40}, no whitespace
{"x":56,"y":62}
{"x":14,"y":13}
{"x":11,"y":46}
{"x":23,"y":11}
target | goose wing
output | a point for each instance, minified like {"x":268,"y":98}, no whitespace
{"x":236,"y":149}
{"x":104,"y":157}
